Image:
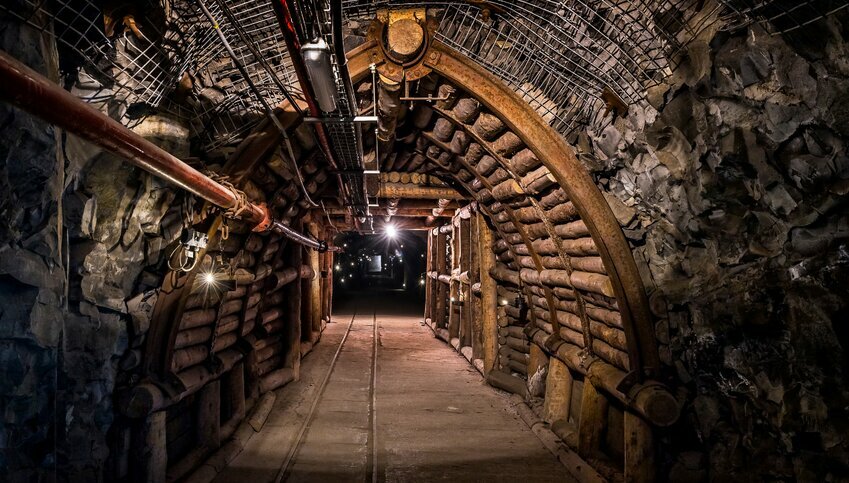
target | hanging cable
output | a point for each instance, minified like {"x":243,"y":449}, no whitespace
{"x":268,"y":110}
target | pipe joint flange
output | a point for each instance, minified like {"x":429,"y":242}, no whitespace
{"x":265,"y":224}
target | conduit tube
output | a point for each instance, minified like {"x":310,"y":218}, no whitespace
{"x":32,"y":92}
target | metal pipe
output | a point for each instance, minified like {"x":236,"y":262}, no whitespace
{"x":32,"y":92}
{"x":297,"y":237}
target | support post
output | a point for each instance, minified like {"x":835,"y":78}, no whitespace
{"x":558,"y":391}
{"x":150,"y":456}
{"x":306,"y":303}
{"x":235,"y":382}
{"x":428,"y":313}
{"x":465,"y":290}
{"x":639,"y":449}
{"x":489,"y":295}
{"x":293,"y":312}
{"x":593,"y":421}
{"x":474,"y":298}
{"x":315,"y":289}
{"x":440,"y":320}
{"x":454,"y":307}
{"x":208,"y":416}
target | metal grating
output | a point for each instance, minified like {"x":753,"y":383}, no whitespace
{"x":561,"y":56}
{"x":217,"y":77}
{"x":780,"y":16}
{"x":130,"y":61}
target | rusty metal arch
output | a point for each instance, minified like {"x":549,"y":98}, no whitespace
{"x":560,"y":159}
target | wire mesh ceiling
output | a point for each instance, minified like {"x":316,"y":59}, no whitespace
{"x":148,"y":56}
{"x":564,"y":56}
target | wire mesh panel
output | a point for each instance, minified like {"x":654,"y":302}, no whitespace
{"x":561,"y":56}
{"x":564,"y":57}
{"x":129,"y":57}
{"x":145,"y":57}
{"x":224,"y":102}
{"x":783,"y":16}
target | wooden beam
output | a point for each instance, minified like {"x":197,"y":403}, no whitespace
{"x":489,"y":295}
{"x":558,"y":391}
{"x":401,"y":191}
{"x":639,"y":449}
{"x":593,"y":421}
{"x":292,"y":309}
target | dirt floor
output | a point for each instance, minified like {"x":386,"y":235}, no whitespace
{"x":426,"y":416}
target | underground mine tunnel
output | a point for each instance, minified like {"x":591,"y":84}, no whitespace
{"x":296,"y":240}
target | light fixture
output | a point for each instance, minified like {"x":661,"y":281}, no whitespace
{"x":391,"y":231}
{"x":338,"y":267}
{"x":317,"y":62}
{"x":421,"y":281}
{"x":192,"y":242}
{"x":218,"y":276}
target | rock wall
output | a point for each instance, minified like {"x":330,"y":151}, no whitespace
{"x":83,"y":234}
{"x":32,"y":274}
{"x":731,"y":182}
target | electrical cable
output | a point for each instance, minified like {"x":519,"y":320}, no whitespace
{"x":269,"y":111}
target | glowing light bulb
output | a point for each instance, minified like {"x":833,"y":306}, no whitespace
{"x":391,"y":231}
{"x":421,"y":281}
{"x":338,"y":267}
{"x":209,"y":278}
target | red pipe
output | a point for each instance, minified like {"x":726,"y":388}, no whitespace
{"x":32,"y":92}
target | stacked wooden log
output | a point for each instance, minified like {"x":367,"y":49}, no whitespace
{"x":539,"y":232}
{"x":569,"y":338}
{"x":225,"y":347}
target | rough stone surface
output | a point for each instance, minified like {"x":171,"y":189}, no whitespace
{"x":65,"y":200}
{"x":737,"y":177}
